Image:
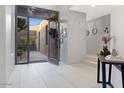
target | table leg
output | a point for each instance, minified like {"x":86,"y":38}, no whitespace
{"x":110,"y":71}
{"x":98,"y":70}
{"x":103,"y":75}
{"x":122,"y":71}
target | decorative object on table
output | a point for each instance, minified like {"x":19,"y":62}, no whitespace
{"x":114,"y":52}
{"x":105,"y":39}
{"x":87,"y":32}
{"x":105,"y":51}
{"x":94,"y":30}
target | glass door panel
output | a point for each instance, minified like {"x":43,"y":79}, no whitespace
{"x":21,"y":39}
{"x":54,"y":42}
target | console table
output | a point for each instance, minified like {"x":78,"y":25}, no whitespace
{"x":103,"y":61}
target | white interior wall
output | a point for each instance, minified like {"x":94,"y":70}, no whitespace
{"x":9,"y":48}
{"x":117,"y":30}
{"x":2,"y":45}
{"x":76,"y":39}
{"x":6,"y":39}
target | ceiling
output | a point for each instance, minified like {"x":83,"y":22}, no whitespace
{"x":93,"y":11}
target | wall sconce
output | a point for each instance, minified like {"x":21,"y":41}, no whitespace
{"x":63,"y":32}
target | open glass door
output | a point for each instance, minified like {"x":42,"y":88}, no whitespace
{"x":42,"y":41}
{"x":54,"y":42}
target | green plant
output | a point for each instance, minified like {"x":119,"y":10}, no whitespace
{"x":21,"y":47}
{"x":19,"y":52}
{"x":32,"y":40}
{"x":21,"y":24}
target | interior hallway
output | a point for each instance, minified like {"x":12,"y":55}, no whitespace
{"x":42,"y":75}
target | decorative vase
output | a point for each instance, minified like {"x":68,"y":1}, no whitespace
{"x":105,"y":51}
{"x":114,"y":52}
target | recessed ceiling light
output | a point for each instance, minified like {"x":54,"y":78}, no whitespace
{"x":92,"y":5}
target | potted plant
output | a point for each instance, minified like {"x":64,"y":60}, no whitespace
{"x":20,"y":50}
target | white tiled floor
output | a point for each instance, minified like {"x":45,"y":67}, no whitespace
{"x":46,"y":75}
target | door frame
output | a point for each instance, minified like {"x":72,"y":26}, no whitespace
{"x":28,"y":49}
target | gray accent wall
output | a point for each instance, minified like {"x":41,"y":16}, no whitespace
{"x":94,"y":42}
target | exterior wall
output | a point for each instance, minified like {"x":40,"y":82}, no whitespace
{"x":43,"y":46}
